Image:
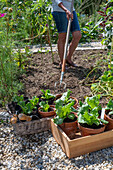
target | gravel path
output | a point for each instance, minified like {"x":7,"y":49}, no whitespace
{"x":81,"y":46}
{"x":41,"y":152}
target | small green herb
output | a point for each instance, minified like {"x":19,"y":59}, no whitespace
{"x":47,"y":95}
{"x":44,"y":106}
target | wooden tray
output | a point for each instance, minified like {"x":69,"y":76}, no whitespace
{"x":31,"y":127}
{"x":81,"y":145}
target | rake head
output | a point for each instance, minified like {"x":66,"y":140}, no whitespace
{"x":60,"y":85}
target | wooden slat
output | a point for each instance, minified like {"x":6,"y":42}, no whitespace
{"x":81,"y":145}
{"x":60,"y":137}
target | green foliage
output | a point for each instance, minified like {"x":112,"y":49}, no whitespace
{"x":110,"y":106}
{"x":64,"y":108}
{"x":29,"y":20}
{"x":64,"y":111}
{"x":105,"y":23}
{"x":88,"y":112}
{"x":17,"y":98}
{"x":27,"y":108}
{"x":9,"y":84}
{"x":47,"y":94}
{"x":44,"y":106}
{"x":65,"y":97}
{"x":105,"y":84}
{"x":88,"y":29}
{"x":12,"y":61}
{"x":34,"y":101}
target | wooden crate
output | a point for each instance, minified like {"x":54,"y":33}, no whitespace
{"x":31,"y":127}
{"x":81,"y":145}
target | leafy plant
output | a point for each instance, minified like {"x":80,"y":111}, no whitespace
{"x":105,"y":84}
{"x":65,"y":97}
{"x":105,"y":23}
{"x":89,"y":112}
{"x":17,"y":98}
{"x":28,"y":107}
{"x":34,"y":101}
{"x":110,"y":107}
{"x":47,"y":95}
{"x":44,"y":106}
{"x":64,"y":111}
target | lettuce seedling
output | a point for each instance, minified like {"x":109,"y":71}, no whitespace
{"x":26,"y":108}
{"x":110,"y":107}
{"x":88,"y":113}
{"x":65,"y":97}
{"x":47,"y":95}
{"x":64,"y":111}
{"x":34,"y":101}
{"x":44,"y":106}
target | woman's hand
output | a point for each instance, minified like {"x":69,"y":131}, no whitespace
{"x":69,"y":15}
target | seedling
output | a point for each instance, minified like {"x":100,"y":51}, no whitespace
{"x":44,"y":106}
{"x":88,"y":113}
{"x":110,"y":107}
{"x":65,"y":98}
{"x":64,"y":111}
{"x":47,"y":95}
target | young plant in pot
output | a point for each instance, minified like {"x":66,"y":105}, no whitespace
{"x":46,"y":110}
{"x":65,"y":117}
{"x":89,"y":122}
{"x":109,"y":115}
{"x":13,"y":106}
{"x":28,"y":110}
{"x":66,"y":98}
{"x":47,"y":96}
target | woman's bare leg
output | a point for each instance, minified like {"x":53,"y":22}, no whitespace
{"x":73,"y":45}
{"x":61,"y":45}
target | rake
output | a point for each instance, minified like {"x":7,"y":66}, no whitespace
{"x":65,"y":51}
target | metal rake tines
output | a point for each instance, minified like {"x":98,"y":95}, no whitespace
{"x":60,"y":84}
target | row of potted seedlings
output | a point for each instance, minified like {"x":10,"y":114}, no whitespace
{"x":25,"y":109}
{"x":63,"y":108}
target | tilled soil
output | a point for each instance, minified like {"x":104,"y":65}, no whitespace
{"x":42,"y":73}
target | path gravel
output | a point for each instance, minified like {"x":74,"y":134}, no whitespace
{"x":41,"y":152}
{"x":81,"y":46}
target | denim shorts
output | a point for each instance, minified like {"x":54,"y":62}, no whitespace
{"x":62,"y":22}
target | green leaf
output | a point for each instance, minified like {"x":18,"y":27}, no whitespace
{"x":58,"y":121}
{"x":104,"y":121}
{"x":44,"y":106}
{"x":71,"y":116}
{"x":110,"y":105}
{"x":111,"y":113}
{"x":47,"y":95}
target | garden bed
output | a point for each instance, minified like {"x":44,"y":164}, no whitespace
{"x":43,"y":75}
{"x":81,"y":145}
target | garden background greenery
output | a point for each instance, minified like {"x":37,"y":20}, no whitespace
{"x":26,"y":22}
